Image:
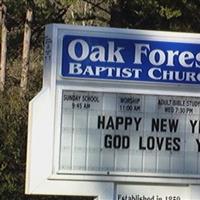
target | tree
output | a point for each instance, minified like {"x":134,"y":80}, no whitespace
{"x":3,"y":45}
{"x":176,"y":15}
{"x":89,"y":12}
{"x":26,"y":51}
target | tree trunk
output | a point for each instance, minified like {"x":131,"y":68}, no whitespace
{"x":1,"y":10}
{"x":26,"y":52}
{"x":3,"y":47}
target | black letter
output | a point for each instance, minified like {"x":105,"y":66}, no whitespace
{"x":101,"y":122}
{"x":140,"y":144}
{"x":177,"y":144}
{"x":107,"y":141}
{"x":155,"y":125}
{"x":128,"y":121}
{"x":125,"y":142}
{"x":163,"y":125}
{"x":168,"y":144}
{"x":151,"y":143}
{"x":137,"y":122}
{"x":173,"y":125}
{"x":193,"y":124}
{"x":119,"y":121}
{"x":117,"y":141}
{"x":198,"y":144}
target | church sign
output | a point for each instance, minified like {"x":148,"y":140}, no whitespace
{"x":118,"y":116}
{"x":130,"y":60}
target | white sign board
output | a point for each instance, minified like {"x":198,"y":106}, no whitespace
{"x":118,"y":116}
{"x":115,"y":132}
{"x":146,"y":192}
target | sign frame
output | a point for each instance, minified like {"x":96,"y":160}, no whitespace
{"x":45,"y":112}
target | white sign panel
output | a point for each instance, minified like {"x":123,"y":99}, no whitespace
{"x":119,"y":112}
{"x":115,"y":132}
{"x":153,"y":192}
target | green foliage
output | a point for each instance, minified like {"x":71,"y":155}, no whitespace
{"x":13,"y":131}
{"x":169,"y":13}
{"x":12,"y":118}
{"x":175,"y":15}
{"x":179,"y":15}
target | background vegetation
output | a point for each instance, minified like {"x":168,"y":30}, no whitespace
{"x":170,"y":15}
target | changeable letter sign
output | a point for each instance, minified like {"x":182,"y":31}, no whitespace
{"x":118,"y":116}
